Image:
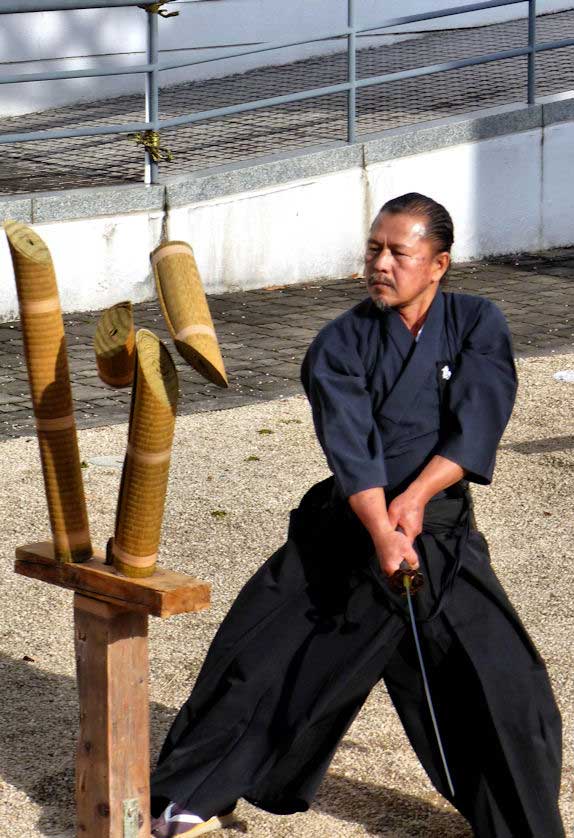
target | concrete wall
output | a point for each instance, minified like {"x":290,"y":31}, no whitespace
{"x":284,"y":234}
{"x":76,"y":40}
{"x":492,"y":188}
{"x":100,"y":244}
{"x":505,"y":175}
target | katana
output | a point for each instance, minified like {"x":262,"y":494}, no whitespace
{"x":412,"y":581}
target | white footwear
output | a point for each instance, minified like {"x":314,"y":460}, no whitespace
{"x":185,"y":824}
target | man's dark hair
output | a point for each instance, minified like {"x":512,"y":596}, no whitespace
{"x":439,"y":223}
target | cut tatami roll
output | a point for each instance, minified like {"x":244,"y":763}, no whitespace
{"x":46,"y":357}
{"x":114,"y":344}
{"x":146,"y":466}
{"x":186,"y":311}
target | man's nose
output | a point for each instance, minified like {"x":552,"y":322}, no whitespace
{"x":383,"y":261}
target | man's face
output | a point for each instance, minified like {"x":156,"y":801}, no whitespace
{"x":401,"y":265}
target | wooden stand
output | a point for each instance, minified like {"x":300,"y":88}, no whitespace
{"x":111,"y":622}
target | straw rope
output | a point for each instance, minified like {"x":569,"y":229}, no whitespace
{"x":114,"y":344}
{"x":185,"y":309}
{"x":169,"y":250}
{"x":46,"y":357}
{"x":195,"y":330}
{"x":146,"y":466}
{"x":41,"y":306}
{"x":62,"y":423}
{"x":137,"y":561}
{"x":144,"y":457}
{"x":119,"y":381}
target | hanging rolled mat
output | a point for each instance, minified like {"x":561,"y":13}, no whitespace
{"x":46,"y":357}
{"x":146,"y":466}
{"x":114,"y":344}
{"x":186,"y":311}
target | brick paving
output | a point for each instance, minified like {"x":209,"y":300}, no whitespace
{"x":264,"y":333}
{"x":112,"y":160}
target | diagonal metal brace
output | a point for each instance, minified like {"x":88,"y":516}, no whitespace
{"x":150,"y":141}
{"x":157,"y":9}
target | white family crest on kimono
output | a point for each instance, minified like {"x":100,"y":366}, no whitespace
{"x":446,"y":372}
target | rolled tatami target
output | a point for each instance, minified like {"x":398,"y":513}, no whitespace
{"x":186,"y":311}
{"x":46,"y":357}
{"x":146,"y":466}
{"x":114,"y":344}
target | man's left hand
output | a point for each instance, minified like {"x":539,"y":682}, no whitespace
{"x":406,"y":511}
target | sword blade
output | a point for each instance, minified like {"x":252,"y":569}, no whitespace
{"x":407,"y":584}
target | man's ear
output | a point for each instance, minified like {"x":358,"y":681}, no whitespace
{"x":441,"y":265}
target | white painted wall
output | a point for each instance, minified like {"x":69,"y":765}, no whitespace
{"x":118,"y":266}
{"x":76,"y":40}
{"x":558,"y":186}
{"x":302,"y":230}
{"x":316,"y":228}
{"x":506,"y":194}
{"x":492,"y":190}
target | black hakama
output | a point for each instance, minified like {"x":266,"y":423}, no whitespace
{"x":317,"y":626}
{"x":313,"y":631}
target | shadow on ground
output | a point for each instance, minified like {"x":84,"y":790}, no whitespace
{"x":39,"y":730}
{"x":386,"y":812}
{"x":541,"y":446}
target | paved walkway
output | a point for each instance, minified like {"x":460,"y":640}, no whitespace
{"x":263,"y":335}
{"x":97,"y":161}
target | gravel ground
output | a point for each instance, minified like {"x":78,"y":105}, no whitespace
{"x":250,"y":466}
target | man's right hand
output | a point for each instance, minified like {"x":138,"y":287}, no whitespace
{"x":392,"y":548}
{"x":391,"y":545}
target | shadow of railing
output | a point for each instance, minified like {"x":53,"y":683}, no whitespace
{"x":39,"y":727}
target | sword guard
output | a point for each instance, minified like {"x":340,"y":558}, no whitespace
{"x":397,"y":580}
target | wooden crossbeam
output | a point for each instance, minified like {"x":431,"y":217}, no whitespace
{"x":162,"y":595}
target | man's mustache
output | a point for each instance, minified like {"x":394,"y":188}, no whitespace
{"x":380,"y":280}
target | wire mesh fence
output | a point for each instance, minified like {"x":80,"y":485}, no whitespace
{"x":32,"y":163}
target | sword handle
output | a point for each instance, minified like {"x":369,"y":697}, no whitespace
{"x":406,"y":579}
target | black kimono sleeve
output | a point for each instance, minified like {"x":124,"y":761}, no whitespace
{"x":480,"y":396}
{"x":334,"y":377}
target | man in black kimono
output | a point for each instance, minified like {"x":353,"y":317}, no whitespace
{"x":410,"y":391}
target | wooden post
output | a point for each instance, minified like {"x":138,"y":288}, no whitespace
{"x":113,"y":764}
{"x":111,"y":639}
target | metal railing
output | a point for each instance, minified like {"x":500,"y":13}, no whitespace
{"x":148,"y":132}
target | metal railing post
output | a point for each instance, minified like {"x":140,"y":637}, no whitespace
{"x":532,"y":52}
{"x":151,"y":171}
{"x":352,"y":73}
